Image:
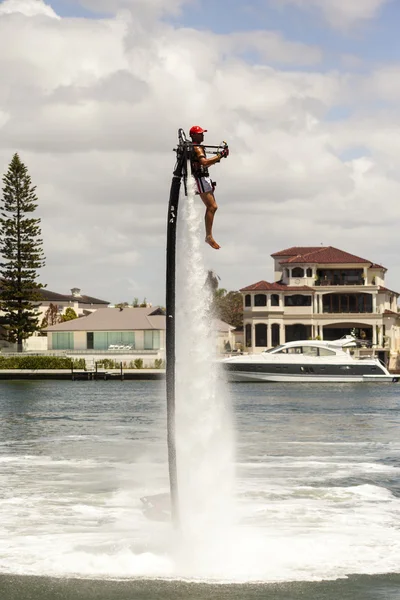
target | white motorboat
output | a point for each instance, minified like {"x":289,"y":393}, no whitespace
{"x":307,"y":361}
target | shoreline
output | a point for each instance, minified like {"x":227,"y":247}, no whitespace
{"x":81,"y":375}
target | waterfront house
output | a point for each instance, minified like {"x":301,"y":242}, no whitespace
{"x":82,"y":304}
{"x":123,"y":332}
{"x":321,"y":292}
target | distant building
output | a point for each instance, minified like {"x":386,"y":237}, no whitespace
{"x":321,"y":292}
{"x":111,"y":329}
{"x":122,"y":330}
{"x":80,"y":303}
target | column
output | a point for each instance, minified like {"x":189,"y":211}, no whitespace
{"x":374,"y":336}
{"x":380,"y":335}
{"x":282,"y":334}
{"x":253,"y":337}
{"x":374,"y":303}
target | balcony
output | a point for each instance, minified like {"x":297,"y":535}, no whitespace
{"x":339,"y":277}
{"x":339,"y":281}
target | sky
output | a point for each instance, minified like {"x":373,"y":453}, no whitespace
{"x":306,"y":92}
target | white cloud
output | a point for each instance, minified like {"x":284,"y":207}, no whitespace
{"x":272,"y":46}
{"x":143,"y":7}
{"x":341,"y":13}
{"x":27,"y":7}
{"x":93,"y":107}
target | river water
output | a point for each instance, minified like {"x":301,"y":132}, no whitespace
{"x":317,"y":492}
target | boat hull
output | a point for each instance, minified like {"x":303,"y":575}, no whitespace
{"x":243,"y":376}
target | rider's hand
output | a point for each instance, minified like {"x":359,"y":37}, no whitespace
{"x":225,"y":152}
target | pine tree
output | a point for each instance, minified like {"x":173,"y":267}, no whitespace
{"x":21,"y":255}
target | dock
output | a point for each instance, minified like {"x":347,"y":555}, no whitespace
{"x":81,"y":375}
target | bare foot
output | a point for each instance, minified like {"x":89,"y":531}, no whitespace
{"x":210,"y":240}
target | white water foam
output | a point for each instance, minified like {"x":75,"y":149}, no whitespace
{"x":205,"y":445}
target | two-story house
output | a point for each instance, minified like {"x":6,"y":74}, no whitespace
{"x":321,"y":292}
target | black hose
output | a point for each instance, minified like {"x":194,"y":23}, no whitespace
{"x":179,"y":172}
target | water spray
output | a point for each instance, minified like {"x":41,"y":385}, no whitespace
{"x":183,"y":152}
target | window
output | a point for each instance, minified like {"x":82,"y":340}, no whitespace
{"x":247,"y":300}
{"x":297,"y":300}
{"x":260,"y":300}
{"x":297,"y":272}
{"x":326,"y":352}
{"x":261,"y":335}
{"x":275,"y":334}
{"x":295,"y":350}
{"x":309,"y":272}
{"x":102,"y":340}
{"x":347,"y":303}
{"x":310,"y":350}
{"x":274,"y":300}
{"x":90,"y":340}
{"x":63,"y":340}
{"x":248,"y":335}
{"x":151,"y":340}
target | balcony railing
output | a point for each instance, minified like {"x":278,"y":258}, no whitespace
{"x":339,"y":281}
{"x":345,"y":311}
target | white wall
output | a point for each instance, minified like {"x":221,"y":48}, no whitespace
{"x":80,"y":340}
{"x":36,"y":344}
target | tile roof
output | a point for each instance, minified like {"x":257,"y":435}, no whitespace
{"x":324,"y":255}
{"x":50,"y":296}
{"x":381,"y":288}
{"x":55,"y":297}
{"x":114,"y":319}
{"x":265,"y":286}
{"x":296,"y":250}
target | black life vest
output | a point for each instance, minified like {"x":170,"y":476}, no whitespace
{"x":198,"y":170}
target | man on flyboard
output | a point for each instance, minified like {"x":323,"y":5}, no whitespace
{"x":205,"y":187}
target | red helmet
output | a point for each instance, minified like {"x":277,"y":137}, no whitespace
{"x":196,"y":129}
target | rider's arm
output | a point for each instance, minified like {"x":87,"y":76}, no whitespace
{"x":206,"y":162}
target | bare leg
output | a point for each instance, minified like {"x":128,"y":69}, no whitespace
{"x":211,"y":208}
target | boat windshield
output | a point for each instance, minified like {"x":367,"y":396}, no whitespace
{"x":276,"y":349}
{"x":306,"y":350}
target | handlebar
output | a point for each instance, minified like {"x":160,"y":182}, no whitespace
{"x":186,"y":145}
